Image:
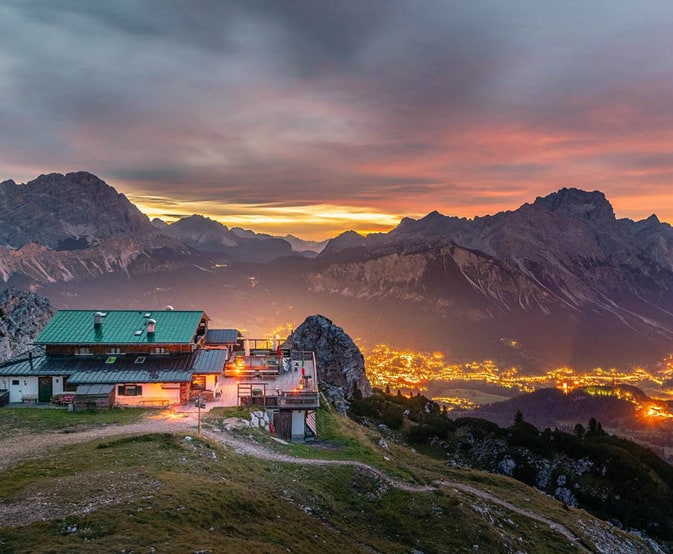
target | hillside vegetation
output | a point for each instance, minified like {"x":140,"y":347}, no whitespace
{"x":613,"y":478}
{"x":351,"y":492}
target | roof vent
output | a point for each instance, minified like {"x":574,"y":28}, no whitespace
{"x":169,"y":308}
{"x":140,"y":360}
{"x":150,"y":326}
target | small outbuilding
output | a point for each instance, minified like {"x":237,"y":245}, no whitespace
{"x":89,"y":397}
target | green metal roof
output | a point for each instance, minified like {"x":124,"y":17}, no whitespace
{"x":140,"y":376}
{"x":209,"y":361}
{"x":27,"y":368}
{"x":222,"y":336}
{"x":120,"y":327}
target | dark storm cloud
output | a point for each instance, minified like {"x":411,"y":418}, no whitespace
{"x":404,"y":105}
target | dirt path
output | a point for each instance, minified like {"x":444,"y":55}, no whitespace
{"x":244,"y":447}
{"x":553,"y":525}
{"x":247,"y":448}
{"x":19,"y":448}
{"x":14,"y":450}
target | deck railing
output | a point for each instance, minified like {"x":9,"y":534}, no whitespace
{"x":298,"y":399}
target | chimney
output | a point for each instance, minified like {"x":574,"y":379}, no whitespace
{"x":150,"y":326}
{"x":97,"y":320}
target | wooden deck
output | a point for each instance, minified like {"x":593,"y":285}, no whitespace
{"x":299,"y":400}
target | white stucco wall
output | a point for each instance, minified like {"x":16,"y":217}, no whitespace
{"x":151,"y":392}
{"x":27,"y":385}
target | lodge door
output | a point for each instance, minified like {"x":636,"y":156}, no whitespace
{"x":44,"y":389}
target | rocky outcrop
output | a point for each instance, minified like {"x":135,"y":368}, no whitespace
{"x":341,"y":366}
{"x":22,"y":316}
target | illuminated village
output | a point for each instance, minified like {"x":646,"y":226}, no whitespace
{"x":414,"y":372}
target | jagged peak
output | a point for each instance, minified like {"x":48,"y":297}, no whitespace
{"x":349,"y":234}
{"x":574,"y":202}
{"x":81,"y":176}
{"x":434,"y":215}
{"x":249,"y":234}
{"x":344,"y":241}
{"x":198,"y":221}
{"x":85,"y":178}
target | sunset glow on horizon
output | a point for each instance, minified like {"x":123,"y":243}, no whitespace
{"x":335,"y":116}
{"x":313,"y":222}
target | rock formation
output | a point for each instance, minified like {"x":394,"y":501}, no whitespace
{"x":22,"y":316}
{"x":341,"y":366}
{"x":66,"y":212}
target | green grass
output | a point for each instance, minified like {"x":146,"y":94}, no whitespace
{"x":167,"y":493}
{"x":176,"y":495}
{"x":14,"y":421}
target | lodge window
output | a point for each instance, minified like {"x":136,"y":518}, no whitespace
{"x":115,"y":350}
{"x":69,"y":387}
{"x":130,"y":390}
{"x":83,"y":351}
{"x":158,"y":350}
{"x":199,"y":382}
{"x":15,"y":382}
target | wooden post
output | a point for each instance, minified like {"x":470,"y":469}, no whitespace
{"x":198,"y":403}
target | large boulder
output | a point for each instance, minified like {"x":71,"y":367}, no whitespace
{"x":341,"y":366}
{"x":22,"y":316}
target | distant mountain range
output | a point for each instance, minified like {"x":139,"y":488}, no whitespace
{"x":207,"y":235}
{"x":561,"y":272}
{"x":68,"y":227}
{"x":558,"y":281}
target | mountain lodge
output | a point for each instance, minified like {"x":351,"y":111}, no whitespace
{"x":160,"y":358}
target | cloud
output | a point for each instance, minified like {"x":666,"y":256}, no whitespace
{"x":465,"y":107}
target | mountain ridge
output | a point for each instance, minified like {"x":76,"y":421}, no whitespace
{"x":561,"y":274}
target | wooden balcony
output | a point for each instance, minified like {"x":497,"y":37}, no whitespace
{"x":298,"y":400}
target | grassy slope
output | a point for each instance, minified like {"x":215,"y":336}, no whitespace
{"x":14,"y":421}
{"x":164,"y":493}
